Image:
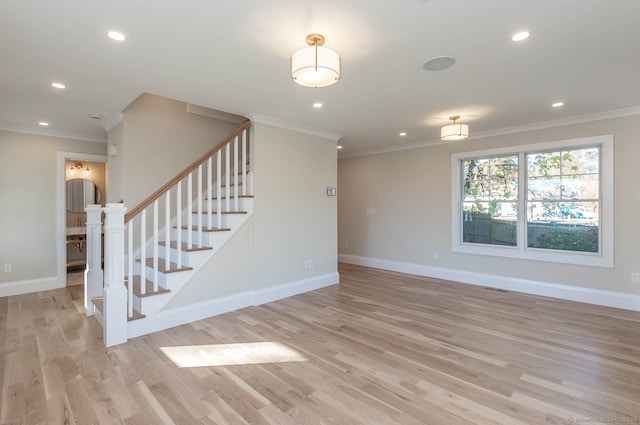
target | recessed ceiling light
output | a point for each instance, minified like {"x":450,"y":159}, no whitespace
{"x":114,"y":35}
{"x":43,"y":123}
{"x":58,"y":85}
{"x":339,"y":147}
{"x":439,"y":63}
{"x":523,"y":35}
{"x":403,"y":133}
{"x":557,"y":104}
{"x":317,"y":105}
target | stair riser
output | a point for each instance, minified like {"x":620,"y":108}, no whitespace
{"x":210,"y":221}
{"x":230,"y":207}
{"x":228,"y":220}
{"x":210,"y":239}
{"x":173,"y":255}
{"x":162,"y":277}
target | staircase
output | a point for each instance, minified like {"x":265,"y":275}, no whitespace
{"x":154,"y":250}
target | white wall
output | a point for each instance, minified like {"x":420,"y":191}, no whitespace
{"x":28,"y":202}
{"x":411,"y":194}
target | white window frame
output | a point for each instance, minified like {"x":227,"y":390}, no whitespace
{"x":603,"y":258}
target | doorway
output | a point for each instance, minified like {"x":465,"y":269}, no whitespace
{"x":82,"y":180}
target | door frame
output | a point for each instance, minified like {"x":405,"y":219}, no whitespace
{"x":61,"y":207}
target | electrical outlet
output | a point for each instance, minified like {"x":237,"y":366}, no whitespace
{"x":7,"y":268}
{"x":635,"y":277}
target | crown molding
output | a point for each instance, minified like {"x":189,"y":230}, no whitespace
{"x":275,"y":122}
{"x":204,"y":111}
{"x":580,"y":119}
{"x":52,"y":133}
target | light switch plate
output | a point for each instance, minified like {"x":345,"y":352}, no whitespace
{"x":331,"y":191}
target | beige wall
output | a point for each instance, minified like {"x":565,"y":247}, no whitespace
{"x":156,"y":140}
{"x":115,"y":161}
{"x":293,"y":221}
{"x":410,"y":192}
{"x":28,"y":202}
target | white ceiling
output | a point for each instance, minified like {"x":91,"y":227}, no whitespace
{"x":234,"y":56}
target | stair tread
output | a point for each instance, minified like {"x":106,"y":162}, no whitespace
{"x":174,"y":245}
{"x":136,"y":315}
{"x":99,"y":303}
{"x":148,"y":287}
{"x":209,"y":229}
{"x":223,"y":212}
{"x":230,"y":197}
{"x":173,"y":267}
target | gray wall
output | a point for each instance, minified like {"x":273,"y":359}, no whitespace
{"x":411,"y":193}
{"x":28,"y":202}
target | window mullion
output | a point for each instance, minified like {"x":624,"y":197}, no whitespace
{"x":522,"y":201}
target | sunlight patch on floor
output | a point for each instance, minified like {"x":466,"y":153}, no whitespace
{"x":231,"y":354}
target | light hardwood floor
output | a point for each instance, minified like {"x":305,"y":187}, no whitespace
{"x":380,"y":348}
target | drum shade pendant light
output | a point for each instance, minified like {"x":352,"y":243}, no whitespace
{"x":454,"y":131}
{"x":315,"y":65}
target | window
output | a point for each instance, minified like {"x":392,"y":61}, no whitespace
{"x":548,"y":202}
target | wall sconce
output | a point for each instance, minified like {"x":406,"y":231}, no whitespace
{"x":76,"y":169}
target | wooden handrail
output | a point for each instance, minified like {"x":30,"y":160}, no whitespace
{"x":158,"y":193}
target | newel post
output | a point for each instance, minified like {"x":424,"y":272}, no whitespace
{"x":93,"y":276}
{"x":115,"y":293}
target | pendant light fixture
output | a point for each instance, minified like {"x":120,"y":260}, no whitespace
{"x":315,"y":65}
{"x":454,"y":131}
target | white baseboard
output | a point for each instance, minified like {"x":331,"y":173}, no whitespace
{"x":279,"y":292}
{"x":29,"y":286}
{"x":166,"y":319}
{"x":555,"y":290}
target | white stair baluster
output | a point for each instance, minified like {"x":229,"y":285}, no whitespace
{"x":236,"y":205}
{"x":156,"y":242}
{"x":190,"y":211}
{"x":244,"y":163}
{"x":227,"y":180}
{"x":130,"y":267}
{"x":143,"y":252}
{"x":200,"y":218}
{"x":209,"y":192}
{"x":179,"y":222}
{"x":167,"y":226}
{"x":219,"y":189}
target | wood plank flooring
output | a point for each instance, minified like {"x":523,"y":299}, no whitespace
{"x":380,"y":348}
